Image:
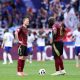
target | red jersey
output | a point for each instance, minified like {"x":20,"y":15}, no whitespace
{"x":22,"y":35}
{"x":59,"y":35}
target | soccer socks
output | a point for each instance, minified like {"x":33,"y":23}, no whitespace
{"x":20,"y":66}
{"x":5,"y":57}
{"x":43,"y":56}
{"x":61,"y":63}
{"x":77,"y":61}
{"x":57,"y":64}
{"x":30,"y":58}
{"x":23,"y":63}
{"x":38,"y":56}
{"x":10,"y":58}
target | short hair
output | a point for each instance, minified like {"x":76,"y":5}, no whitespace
{"x":25,"y":18}
{"x":51,"y":21}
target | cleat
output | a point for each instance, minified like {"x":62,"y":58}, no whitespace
{"x":63,"y":72}
{"x":56,"y":73}
{"x":4,"y":63}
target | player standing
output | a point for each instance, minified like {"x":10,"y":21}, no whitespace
{"x":58,"y":31}
{"x":30,"y":41}
{"x":7,"y":44}
{"x":76,"y":36}
{"x":21,"y":35}
{"x":41,"y":46}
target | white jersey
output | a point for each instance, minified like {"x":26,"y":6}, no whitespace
{"x":30,"y":40}
{"x":76,"y":34}
{"x":41,"y":41}
{"x":8,"y":39}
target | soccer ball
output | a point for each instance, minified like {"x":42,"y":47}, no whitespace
{"x":42,"y":71}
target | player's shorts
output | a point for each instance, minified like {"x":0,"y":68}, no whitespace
{"x":41,"y":48}
{"x":29,"y":50}
{"x":22,"y":50}
{"x":59,"y":46}
{"x":7,"y":49}
{"x":77,"y":50}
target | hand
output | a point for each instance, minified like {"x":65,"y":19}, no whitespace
{"x":56,"y":50}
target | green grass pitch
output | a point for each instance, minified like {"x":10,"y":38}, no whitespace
{"x":8,"y":71}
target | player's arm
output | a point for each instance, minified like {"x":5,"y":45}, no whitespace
{"x":56,"y":50}
{"x":54,"y":33}
{"x":53,"y":44}
{"x":16,"y":34}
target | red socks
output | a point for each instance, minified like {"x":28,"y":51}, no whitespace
{"x":20,"y":66}
{"x":59,"y":63}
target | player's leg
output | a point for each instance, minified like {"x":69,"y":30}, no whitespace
{"x":30,"y":57}
{"x":61,"y":65}
{"x":76,"y":56}
{"x":43,"y":53}
{"x":39,"y":53}
{"x":10,"y":58}
{"x":4,"y":57}
{"x":30,"y":54}
{"x":56,"y":59}
{"x":38,"y":56}
{"x":22,"y":51}
{"x":9,"y":55}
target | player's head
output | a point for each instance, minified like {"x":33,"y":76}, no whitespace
{"x":51,"y":21}
{"x":26,"y":21}
{"x":78,"y":26}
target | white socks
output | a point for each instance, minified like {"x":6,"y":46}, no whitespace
{"x":10,"y":58}
{"x":30,"y":58}
{"x":43,"y":56}
{"x":5,"y":56}
{"x":38,"y":56}
{"x":77,"y":61}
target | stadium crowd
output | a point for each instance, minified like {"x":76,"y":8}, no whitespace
{"x":13,"y":11}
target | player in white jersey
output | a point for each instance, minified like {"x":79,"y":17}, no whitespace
{"x":7,"y":44}
{"x":41,"y":46}
{"x":30,"y":41}
{"x":76,"y":36}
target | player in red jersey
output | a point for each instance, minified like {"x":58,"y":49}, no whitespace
{"x":21,"y":35}
{"x":58,"y":32}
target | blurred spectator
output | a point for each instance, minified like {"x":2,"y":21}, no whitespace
{"x":13,"y":11}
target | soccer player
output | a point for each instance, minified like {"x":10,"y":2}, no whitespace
{"x":76,"y":37}
{"x":58,"y":31}
{"x":41,"y":46}
{"x":21,"y":35}
{"x":7,"y":44}
{"x":30,"y":41}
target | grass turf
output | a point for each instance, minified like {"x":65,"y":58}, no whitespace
{"x":8,"y":71}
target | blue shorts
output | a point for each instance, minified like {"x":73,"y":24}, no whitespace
{"x":41,"y":48}
{"x":7,"y":49}
{"x":29,"y":50}
{"x":77,"y":50}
